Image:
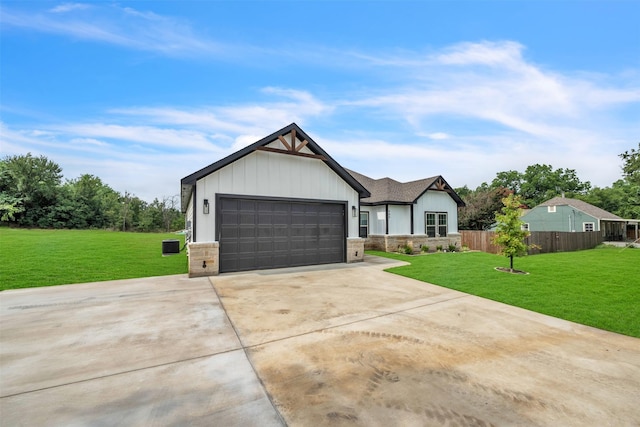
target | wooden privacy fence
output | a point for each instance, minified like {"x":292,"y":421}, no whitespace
{"x":545,"y":241}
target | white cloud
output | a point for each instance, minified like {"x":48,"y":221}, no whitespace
{"x":68,"y":7}
{"x":500,"y":54}
{"x":123,"y":26}
{"x":242,"y":141}
{"x":88,"y":141}
{"x":148,"y":135}
{"x":466,"y":112}
{"x":283,"y":107}
{"x":438,"y":135}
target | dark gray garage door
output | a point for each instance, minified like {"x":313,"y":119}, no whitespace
{"x":261,"y":234}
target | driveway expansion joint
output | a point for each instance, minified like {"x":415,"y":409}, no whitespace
{"x":245,"y":349}
{"x":115,"y":374}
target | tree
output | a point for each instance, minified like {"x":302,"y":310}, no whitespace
{"x":631,"y":167}
{"x":509,"y":179}
{"x":480,"y":208}
{"x":509,"y":233}
{"x":541,"y":182}
{"x":30,"y":185}
{"x":9,"y":207}
{"x":170,"y":212}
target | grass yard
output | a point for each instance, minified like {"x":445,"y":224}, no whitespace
{"x":598,"y":287}
{"x":32,"y":258}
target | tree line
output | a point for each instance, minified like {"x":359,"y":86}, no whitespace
{"x":33,"y":194}
{"x":539,"y":183}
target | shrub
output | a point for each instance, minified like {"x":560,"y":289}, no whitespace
{"x":408,"y":250}
{"x":425,"y":249}
{"x":439,"y":248}
{"x":452,"y":248}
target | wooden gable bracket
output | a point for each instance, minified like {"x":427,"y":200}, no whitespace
{"x":440,"y":185}
{"x":291,"y":149}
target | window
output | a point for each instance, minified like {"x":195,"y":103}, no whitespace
{"x":430,"y":224}
{"x":442,"y":224}
{"x":364,"y":224}
{"x":551,"y":209}
{"x":435,"y":224}
{"x":525,"y":226}
{"x":588,"y":226}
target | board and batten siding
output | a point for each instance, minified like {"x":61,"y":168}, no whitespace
{"x":435,"y":201}
{"x":399,"y":219}
{"x":377,"y":224}
{"x":274,"y":175}
{"x":400,"y":215}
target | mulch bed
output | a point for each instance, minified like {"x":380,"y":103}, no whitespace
{"x":508,"y":270}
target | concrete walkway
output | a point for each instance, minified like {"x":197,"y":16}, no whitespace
{"x":332,"y":345}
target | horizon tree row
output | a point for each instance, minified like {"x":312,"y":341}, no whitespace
{"x":539,"y":183}
{"x":33,"y":194}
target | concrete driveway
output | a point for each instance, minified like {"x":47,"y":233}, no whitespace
{"x":333,"y":345}
{"x":153,"y":351}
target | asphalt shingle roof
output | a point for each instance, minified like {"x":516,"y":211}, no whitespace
{"x":387,"y":190}
{"x":585,"y":207}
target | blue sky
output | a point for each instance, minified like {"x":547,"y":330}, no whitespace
{"x":143,"y":93}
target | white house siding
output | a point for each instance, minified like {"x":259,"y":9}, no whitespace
{"x":399,"y":219}
{"x":435,"y":201}
{"x":268,"y":174}
{"x":376,"y":225}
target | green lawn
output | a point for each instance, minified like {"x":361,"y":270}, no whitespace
{"x":31,"y":258}
{"x":599,"y":287}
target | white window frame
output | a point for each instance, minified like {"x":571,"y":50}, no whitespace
{"x":592,"y":224}
{"x":551,"y":209}
{"x":438,"y":224}
{"x":525,"y":226}
{"x":364,"y":214}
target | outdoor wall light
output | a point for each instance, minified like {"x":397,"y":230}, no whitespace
{"x":354,"y":211}
{"x":205,"y":206}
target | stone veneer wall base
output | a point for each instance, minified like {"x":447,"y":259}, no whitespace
{"x":355,"y":249}
{"x":395,"y":243}
{"x":203,"y":259}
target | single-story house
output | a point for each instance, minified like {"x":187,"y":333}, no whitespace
{"x":284,"y":202}
{"x":280,"y":202}
{"x":573,"y":215}
{"x":417,"y":213}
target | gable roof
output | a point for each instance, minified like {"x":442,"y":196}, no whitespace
{"x":585,"y":207}
{"x":387,"y":190}
{"x":189,"y":181}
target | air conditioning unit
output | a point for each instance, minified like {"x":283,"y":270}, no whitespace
{"x":170,"y":247}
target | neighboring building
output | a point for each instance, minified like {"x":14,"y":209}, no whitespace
{"x":280,"y":202}
{"x":416,"y":213}
{"x":573,"y":215}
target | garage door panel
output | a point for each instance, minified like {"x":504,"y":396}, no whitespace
{"x":247,"y":246}
{"x":247,"y":231}
{"x":229,"y":233}
{"x":280,"y":232}
{"x":264,"y":232}
{"x":260,"y":234}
